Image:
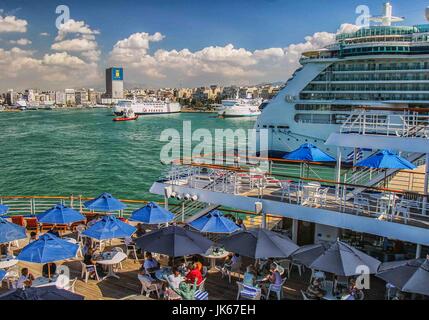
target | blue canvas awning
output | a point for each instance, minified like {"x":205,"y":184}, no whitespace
{"x":60,"y":214}
{"x":386,"y":159}
{"x":214,"y":222}
{"x":152,"y":214}
{"x":105,"y":202}
{"x":109,"y":227}
{"x":3,"y":208}
{"x":10,"y":231}
{"x":309,"y":152}
{"x":48,"y":248}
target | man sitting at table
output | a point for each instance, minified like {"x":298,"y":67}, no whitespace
{"x":25,"y":280}
{"x":150,"y":264}
{"x":91,"y":265}
{"x":194,"y":274}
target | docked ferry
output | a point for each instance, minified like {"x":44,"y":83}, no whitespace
{"x":146,"y":107}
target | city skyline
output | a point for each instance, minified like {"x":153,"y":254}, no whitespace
{"x":253,"y":42}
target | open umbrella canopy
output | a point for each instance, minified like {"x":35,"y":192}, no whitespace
{"x":42,"y":293}
{"x":3,"y":208}
{"x":48,"y":248}
{"x":104,"y":202}
{"x":385,"y":159}
{"x":174,"y":241}
{"x":344,"y":260}
{"x":10,"y":231}
{"x":2,"y":274}
{"x":309,"y":152}
{"x":260,"y":244}
{"x":109,"y":227}
{"x":152,"y":214}
{"x":307,"y":254}
{"x":214,"y":222}
{"x":60,"y":214}
{"x":408,"y":276}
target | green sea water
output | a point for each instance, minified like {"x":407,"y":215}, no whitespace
{"x":83,"y":152}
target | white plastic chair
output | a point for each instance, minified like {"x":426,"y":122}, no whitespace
{"x":360,"y":203}
{"x":321,"y":196}
{"x":286,"y":190}
{"x":201,"y":286}
{"x":304,"y":296}
{"x":131,"y":248}
{"x":277,"y":289}
{"x":148,"y":288}
{"x":118,"y":249}
{"x":402,"y":210}
{"x":234,"y":268}
{"x":85,"y":273}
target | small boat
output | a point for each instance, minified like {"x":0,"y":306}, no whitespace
{"x":126,"y":118}
{"x":128,"y":115}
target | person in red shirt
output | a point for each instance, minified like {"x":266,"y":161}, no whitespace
{"x":194,"y":273}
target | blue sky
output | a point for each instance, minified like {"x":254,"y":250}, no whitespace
{"x":197,"y":24}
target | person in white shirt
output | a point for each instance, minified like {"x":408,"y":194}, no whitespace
{"x":25,"y":280}
{"x":175,"y":278}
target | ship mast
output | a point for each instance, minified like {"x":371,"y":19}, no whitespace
{"x":387,"y":18}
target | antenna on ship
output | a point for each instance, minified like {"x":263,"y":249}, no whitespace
{"x":387,"y":18}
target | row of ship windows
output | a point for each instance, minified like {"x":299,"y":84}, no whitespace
{"x":368,"y":87}
{"x":374,"y":77}
{"x":322,"y":107}
{"x":385,"y":49}
{"x":380,"y":66}
{"x":378,"y":31}
{"x":363,"y":96}
{"x":321,"y":118}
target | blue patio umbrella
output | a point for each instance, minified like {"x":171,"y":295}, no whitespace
{"x":2,"y":274}
{"x":309,"y":152}
{"x":3,"y":208}
{"x":109,"y":227}
{"x":10,"y":231}
{"x":214,"y":222}
{"x":105,"y":202}
{"x":385,"y":159}
{"x":60,"y":214}
{"x":152,"y":214}
{"x":48,"y":248}
{"x":42,"y":293}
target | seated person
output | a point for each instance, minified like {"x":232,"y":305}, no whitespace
{"x":94,"y":220}
{"x":194,"y":274}
{"x":273,"y":278}
{"x":90,"y":263}
{"x":49,"y":269}
{"x":249,"y":278}
{"x":25,"y":280}
{"x":175,"y":278}
{"x":263,"y":266}
{"x":146,"y":278}
{"x":55,"y":232}
{"x":140,"y":231}
{"x":4,"y":249}
{"x":314,"y":290}
{"x":353,"y":290}
{"x":231,"y":260}
{"x":240,"y":223}
{"x":198,"y":263}
{"x":150,"y":263}
{"x":33,"y":237}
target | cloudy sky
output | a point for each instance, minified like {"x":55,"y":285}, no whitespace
{"x":169,"y":43}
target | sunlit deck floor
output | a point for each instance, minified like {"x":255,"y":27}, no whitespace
{"x":218,"y":288}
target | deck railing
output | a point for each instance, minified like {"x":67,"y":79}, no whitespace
{"x":411,"y":123}
{"x":407,"y":207}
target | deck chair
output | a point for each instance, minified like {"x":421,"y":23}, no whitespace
{"x":277,"y":289}
{"x":32,"y":224}
{"x":86,"y":270}
{"x":19,"y":220}
{"x":147,"y":288}
{"x":304,"y":296}
{"x":248,"y":292}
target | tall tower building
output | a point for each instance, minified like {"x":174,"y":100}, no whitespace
{"x":115,"y":83}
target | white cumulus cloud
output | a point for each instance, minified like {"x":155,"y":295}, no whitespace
{"x":12,"y":24}
{"x":21,"y":42}
{"x":74,"y":45}
{"x":74,"y":27}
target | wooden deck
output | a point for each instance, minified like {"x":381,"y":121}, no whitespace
{"x":128,"y":285}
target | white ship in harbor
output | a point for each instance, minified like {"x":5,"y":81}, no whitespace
{"x":378,"y":66}
{"x":146,"y":107}
{"x":239,"y":107}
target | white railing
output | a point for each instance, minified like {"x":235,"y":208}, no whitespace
{"x":406,"y":124}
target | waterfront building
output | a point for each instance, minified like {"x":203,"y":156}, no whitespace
{"x":70,"y":97}
{"x":114,"y":83}
{"x":10,"y":97}
{"x":81,"y":97}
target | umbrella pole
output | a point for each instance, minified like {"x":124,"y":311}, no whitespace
{"x":49,"y":270}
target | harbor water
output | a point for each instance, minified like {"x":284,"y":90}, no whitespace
{"x":83,"y":152}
